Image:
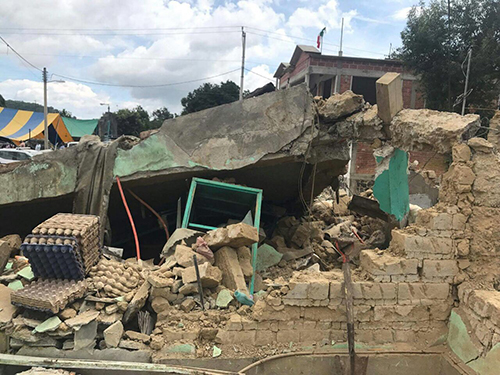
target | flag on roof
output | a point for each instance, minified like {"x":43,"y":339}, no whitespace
{"x":320,"y":36}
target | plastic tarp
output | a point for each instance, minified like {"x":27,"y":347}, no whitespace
{"x":79,"y":128}
{"x":18,"y":125}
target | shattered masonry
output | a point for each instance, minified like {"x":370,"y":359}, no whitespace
{"x":433,"y":283}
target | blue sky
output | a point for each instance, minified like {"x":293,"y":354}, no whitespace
{"x":151,"y":42}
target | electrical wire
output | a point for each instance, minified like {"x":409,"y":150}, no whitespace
{"x":19,"y":55}
{"x":119,"y":29}
{"x":120,"y":34}
{"x":143,"y":86}
{"x":124,"y":200}
{"x":260,"y":75}
{"x":160,"y":219}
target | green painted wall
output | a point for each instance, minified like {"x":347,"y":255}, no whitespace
{"x":391,"y":186}
{"x":37,"y":180}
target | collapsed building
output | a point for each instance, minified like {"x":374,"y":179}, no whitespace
{"x":244,"y":290}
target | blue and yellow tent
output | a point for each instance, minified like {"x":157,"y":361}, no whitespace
{"x":18,"y":126}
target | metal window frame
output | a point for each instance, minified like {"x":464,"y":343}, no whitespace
{"x":195,"y":182}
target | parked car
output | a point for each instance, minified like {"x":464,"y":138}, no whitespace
{"x":12,"y":155}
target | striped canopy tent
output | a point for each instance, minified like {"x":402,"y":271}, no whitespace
{"x":18,"y":126}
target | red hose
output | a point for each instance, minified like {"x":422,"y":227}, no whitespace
{"x":124,"y":200}
{"x":344,"y":259}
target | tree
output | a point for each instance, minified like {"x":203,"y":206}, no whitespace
{"x":2,"y":101}
{"x":210,"y":95}
{"x":66,"y":113}
{"x":159,"y":116}
{"x":132,"y":121}
{"x":436,"y":45}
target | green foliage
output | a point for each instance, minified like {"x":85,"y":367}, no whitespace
{"x":2,"y":101}
{"x":436,"y":47}
{"x":66,"y":113}
{"x":132,"y":121}
{"x":159,"y":116}
{"x":27,"y":106}
{"x":210,"y":95}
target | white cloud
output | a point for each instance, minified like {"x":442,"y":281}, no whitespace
{"x":162,"y":41}
{"x":78,"y":98}
{"x":401,"y":14}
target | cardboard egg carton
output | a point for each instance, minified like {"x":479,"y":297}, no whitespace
{"x":54,"y":257}
{"x":84,"y":229}
{"x":49,"y":295}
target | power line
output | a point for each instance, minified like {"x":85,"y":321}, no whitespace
{"x":260,"y":75}
{"x":119,"y":29}
{"x":133,"y":58}
{"x":121,"y":34}
{"x":21,"y":57}
{"x":143,"y":86}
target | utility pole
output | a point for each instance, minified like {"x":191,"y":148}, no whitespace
{"x":243,"y":42}
{"x":466,"y":81}
{"x":45,"y":126}
{"x":341,"y":36}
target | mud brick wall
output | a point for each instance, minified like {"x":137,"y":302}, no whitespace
{"x":314,"y":312}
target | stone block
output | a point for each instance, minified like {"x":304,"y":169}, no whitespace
{"x":160,"y":304}
{"x":407,"y":313}
{"x":389,"y":96}
{"x":423,"y":247}
{"x":265,"y":338}
{"x":113,"y":334}
{"x":336,"y":290}
{"x":434,"y":220}
{"x":184,"y":256}
{"x":245,"y":259}
{"x":435,"y":269}
{"x":289,"y":335}
{"x":263,"y":312}
{"x":235,"y":235}
{"x":85,"y":336}
{"x":298,"y":290}
{"x":386,"y":264}
{"x":210,"y":276}
{"x":5,"y":250}
{"x":313,"y":336}
{"x":461,"y":153}
{"x":421,"y":291}
{"x":318,"y":290}
{"x":226,"y":259}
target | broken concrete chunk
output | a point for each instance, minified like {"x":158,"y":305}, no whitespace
{"x":412,"y":129}
{"x":226,"y":259}
{"x":137,"y":301}
{"x":188,"y":304}
{"x":67,"y":313}
{"x":158,"y":280}
{"x":340,"y":105}
{"x":235,"y":235}
{"x":210,"y":276}
{"x":480,"y":145}
{"x":138,"y":336}
{"x":461,"y":153}
{"x":184,"y":256}
{"x":160,"y":304}
{"x":245,"y":259}
{"x":132,"y":345}
{"x":82,"y":319}
{"x":50,"y":324}
{"x":267,"y":256}
{"x":224,"y":298}
{"x":389,"y":96}
{"x":85,"y":336}
{"x":5,"y":251}
{"x":180,"y":234}
{"x":113,"y":334}
{"x":7,"y":310}
{"x":188,"y":289}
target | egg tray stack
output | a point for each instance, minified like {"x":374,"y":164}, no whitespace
{"x":83,"y":228}
{"x":51,"y":258}
{"x":49,"y":295}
